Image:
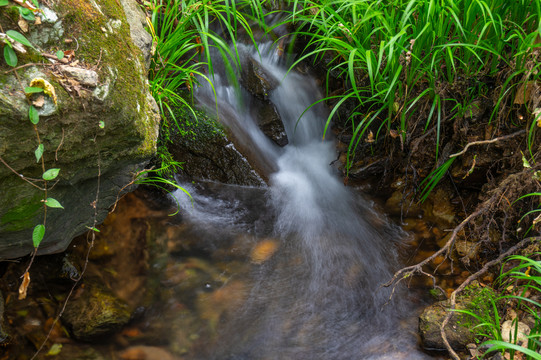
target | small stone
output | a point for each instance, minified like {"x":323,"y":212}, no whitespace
{"x":83,"y":76}
{"x":508,"y":332}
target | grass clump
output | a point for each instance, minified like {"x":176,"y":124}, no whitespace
{"x":402,"y":61}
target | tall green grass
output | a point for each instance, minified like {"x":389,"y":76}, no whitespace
{"x":402,"y":60}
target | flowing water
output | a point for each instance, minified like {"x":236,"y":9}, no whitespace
{"x":319,"y":251}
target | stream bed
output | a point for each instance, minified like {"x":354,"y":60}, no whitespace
{"x":292,"y":270}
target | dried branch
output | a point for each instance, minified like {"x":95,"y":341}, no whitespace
{"x":487,"y":142}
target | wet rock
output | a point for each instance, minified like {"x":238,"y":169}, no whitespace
{"x":458,"y":330}
{"x":206,"y":153}
{"x":438,"y":208}
{"x":270,"y":122}
{"x":429,"y":327}
{"x":95,"y":312}
{"x":399,"y":204}
{"x":256,"y":80}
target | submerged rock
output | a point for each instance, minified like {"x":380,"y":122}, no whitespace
{"x":95,"y":312}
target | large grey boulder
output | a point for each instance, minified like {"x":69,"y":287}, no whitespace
{"x":99,"y":134}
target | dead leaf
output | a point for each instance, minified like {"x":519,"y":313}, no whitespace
{"x":393,"y":133}
{"x":48,"y":89}
{"x":24,"y":286}
{"x":23,"y":24}
{"x":37,"y":21}
{"x":370,"y":137}
{"x":39,"y":102}
{"x":524,"y":93}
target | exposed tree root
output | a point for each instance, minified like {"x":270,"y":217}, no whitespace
{"x":520,"y":132}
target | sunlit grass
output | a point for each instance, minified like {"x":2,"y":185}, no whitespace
{"x":401,"y":60}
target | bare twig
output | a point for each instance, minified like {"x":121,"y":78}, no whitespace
{"x":472,"y":277}
{"x":20,"y":175}
{"x":26,"y":65}
{"x":487,"y":142}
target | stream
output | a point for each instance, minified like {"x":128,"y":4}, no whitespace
{"x":290,"y":270}
{"x":319,"y":252}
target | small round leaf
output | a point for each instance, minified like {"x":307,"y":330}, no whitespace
{"x":39,"y":152}
{"x":60,"y":54}
{"x":33,"y":115}
{"x":51,"y":174}
{"x":37,"y":235}
{"x":10,"y":56}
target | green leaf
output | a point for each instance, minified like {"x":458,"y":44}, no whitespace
{"x":10,"y":56}
{"x":32,"y":90}
{"x":53,"y":203}
{"x":102,"y":124}
{"x":60,"y":54}
{"x":37,"y":235}
{"x":39,"y":152}
{"x":17,"y":36}
{"x":36,"y":4}
{"x":4,"y":2}
{"x":51,"y":174}
{"x":33,"y":115}
{"x":26,"y":14}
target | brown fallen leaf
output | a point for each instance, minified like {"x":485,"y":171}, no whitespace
{"x":37,"y":21}
{"x":23,"y":24}
{"x":39,"y":101}
{"x":24,"y":286}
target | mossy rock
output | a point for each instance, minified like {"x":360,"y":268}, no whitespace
{"x":95,"y":313}
{"x":474,"y":299}
{"x":95,"y":162}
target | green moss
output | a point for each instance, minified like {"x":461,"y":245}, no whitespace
{"x":23,"y":215}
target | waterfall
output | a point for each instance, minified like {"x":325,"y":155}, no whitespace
{"x":319,"y":296}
